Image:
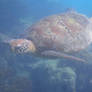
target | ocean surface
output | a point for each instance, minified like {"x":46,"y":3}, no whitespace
{"x":28,"y":73}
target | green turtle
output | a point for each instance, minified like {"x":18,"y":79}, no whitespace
{"x":59,"y":36}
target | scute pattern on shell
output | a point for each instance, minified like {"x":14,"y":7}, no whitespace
{"x":66,"y":32}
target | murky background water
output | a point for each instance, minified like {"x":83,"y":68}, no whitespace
{"x":26,"y":73}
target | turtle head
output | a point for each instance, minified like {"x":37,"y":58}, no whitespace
{"x":22,"y":46}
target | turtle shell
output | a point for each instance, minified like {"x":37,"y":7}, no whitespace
{"x":66,"y":32}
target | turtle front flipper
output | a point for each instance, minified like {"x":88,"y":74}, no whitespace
{"x":51,"y":53}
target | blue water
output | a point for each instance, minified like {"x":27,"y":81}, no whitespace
{"x":12,"y":11}
{"x":26,"y":73}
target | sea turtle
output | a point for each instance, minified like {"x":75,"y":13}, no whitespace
{"x":59,"y":35}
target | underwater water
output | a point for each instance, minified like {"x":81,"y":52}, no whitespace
{"x":29,"y":73}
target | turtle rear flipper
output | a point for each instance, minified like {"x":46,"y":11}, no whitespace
{"x":51,"y":53}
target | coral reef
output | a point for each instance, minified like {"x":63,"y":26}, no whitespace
{"x":17,"y":84}
{"x":48,"y":76}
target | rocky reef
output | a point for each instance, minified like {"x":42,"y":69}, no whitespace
{"x":48,"y":76}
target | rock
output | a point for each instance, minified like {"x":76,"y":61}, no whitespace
{"x":47,"y":76}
